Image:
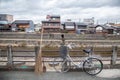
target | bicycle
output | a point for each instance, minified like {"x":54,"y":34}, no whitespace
{"x":91,"y":65}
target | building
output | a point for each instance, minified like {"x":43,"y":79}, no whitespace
{"x":81,"y":28}
{"x":4,"y":26}
{"x":89,"y":21}
{"x":5,"y":22}
{"x":116,"y":30}
{"x":23,"y":25}
{"x":6,"y":17}
{"x":99,"y":29}
{"x":104,"y":29}
{"x":69,"y":27}
{"x":114,"y":26}
{"x":91,"y":29}
{"x":52,"y":24}
{"x":37,"y":27}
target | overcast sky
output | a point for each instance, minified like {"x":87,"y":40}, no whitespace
{"x":36,"y":10}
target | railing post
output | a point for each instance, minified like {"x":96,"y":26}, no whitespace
{"x":9,"y":56}
{"x":114,"y":55}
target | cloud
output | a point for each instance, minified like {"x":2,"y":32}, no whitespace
{"x":87,"y":3}
{"x":74,"y":9}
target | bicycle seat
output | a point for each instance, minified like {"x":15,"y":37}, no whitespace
{"x":87,"y":50}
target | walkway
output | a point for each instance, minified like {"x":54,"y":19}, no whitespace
{"x":111,"y":74}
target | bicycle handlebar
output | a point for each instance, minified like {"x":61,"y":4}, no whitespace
{"x":71,"y":46}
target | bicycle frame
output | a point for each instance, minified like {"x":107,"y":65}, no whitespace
{"x":93,"y":63}
{"x":68,"y":58}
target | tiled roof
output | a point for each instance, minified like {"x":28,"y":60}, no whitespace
{"x":69,"y":23}
{"x":22,"y":21}
{"x":51,"y":26}
{"x":51,"y":21}
{"x":108,"y":27}
{"x":5,"y":14}
{"x":80,"y":23}
{"x":54,"y":16}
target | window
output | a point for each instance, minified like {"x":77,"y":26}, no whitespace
{"x":82,"y":27}
{"x":49,"y":24}
{"x":54,"y":18}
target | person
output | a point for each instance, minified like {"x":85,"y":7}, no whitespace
{"x":63,"y":39}
{"x":63,"y":48}
{"x":63,"y":51}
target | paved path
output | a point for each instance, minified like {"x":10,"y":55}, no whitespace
{"x":25,"y":75}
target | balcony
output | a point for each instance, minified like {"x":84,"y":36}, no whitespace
{"x":51,"y":26}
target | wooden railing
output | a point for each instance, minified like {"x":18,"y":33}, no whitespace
{"x":11,"y":54}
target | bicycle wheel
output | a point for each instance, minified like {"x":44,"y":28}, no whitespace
{"x":92,"y":66}
{"x":61,"y":65}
